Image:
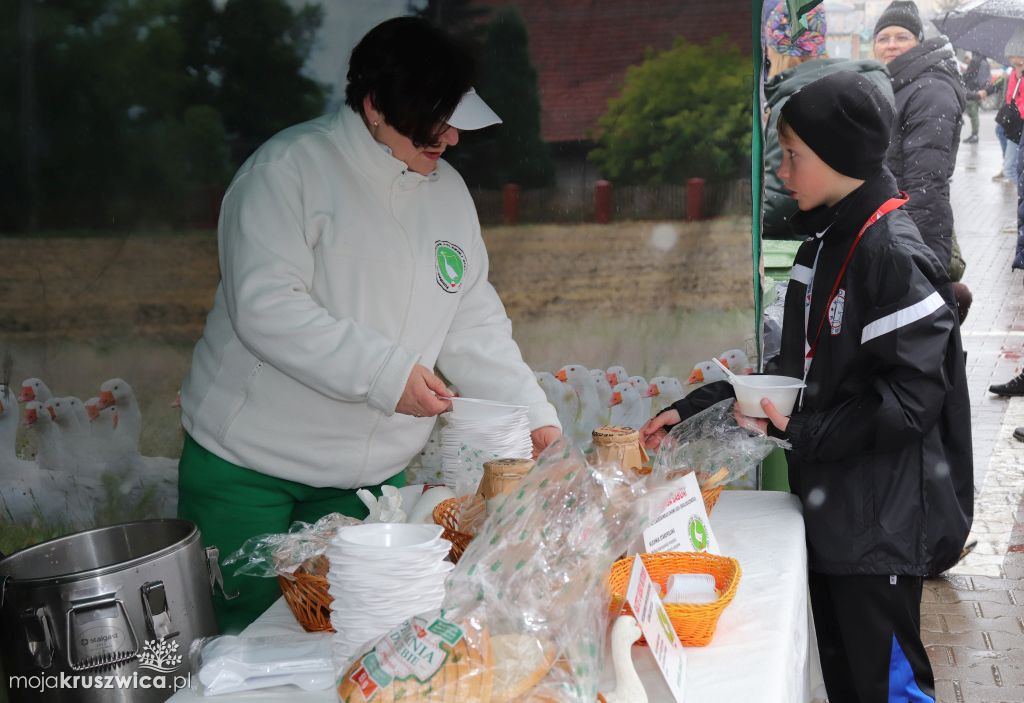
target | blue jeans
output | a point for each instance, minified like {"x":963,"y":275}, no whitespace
{"x":1010,"y":159}
{"x":1001,"y":136}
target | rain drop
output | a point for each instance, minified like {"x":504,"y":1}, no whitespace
{"x":815,"y":498}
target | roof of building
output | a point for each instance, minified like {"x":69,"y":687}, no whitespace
{"x":581,"y":48}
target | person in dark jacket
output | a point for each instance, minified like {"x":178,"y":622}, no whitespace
{"x":929,"y":116}
{"x":794,"y":64}
{"x":976,"y":79}
{"x":881,"y":437}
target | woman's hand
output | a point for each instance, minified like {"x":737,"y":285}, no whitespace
{"x":425,"y":395}
{"x":543,"y":437}
{"x":653,"y":431}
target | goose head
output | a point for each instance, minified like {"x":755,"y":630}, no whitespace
{"x":616,"y":375}
{"x":115,"y":391}
{"x":736,"y":360}
{"x":34,"y":389}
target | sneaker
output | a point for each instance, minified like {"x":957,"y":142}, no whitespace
{"x":999,"y":177}
{"x":1019,"y":434}
{"x":1013,"y":387}
{"x":973,"y":139}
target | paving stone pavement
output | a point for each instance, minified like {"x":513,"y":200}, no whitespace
{"x":972,"y":619}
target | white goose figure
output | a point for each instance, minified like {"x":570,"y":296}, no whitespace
{"x":737,"y":361}
{"x":117,"y":392}
{"x":34,"y":389}
{"x":604,"y":388}
{"x":628,"y":687}
{"x":640,"y":383}
{"x":616,"y":375}
{"x":10,"y":464}
{"x":562,"y":396}
{"x":663,"y":391}
{"x":705,"y":372}
{"x":629,"y":408}
{"x":50,"y":454}
{"x":70,"y":415}
{"x":591,"y":413}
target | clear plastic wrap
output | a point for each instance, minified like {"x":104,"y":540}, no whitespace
{"x":229,"y":664}
{"x":715,"y":445}
{"x":526,"y":612}
{"x":774,"y":308}
{"x":280,"y":554}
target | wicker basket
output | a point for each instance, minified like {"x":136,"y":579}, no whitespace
{"x":695,"y":624}
{"x":308,"y":597}
{"x":446,"y":514}
{"x":709,"y":495}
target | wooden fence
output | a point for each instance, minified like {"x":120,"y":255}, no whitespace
{"x":647,"y":202}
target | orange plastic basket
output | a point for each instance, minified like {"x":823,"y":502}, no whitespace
{"x":307,"y":596}
{"x":695,"y":624}
{"x":446,"y":514}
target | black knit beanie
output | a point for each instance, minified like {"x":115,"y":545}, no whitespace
{"x":901,"y":13}
{"x":845,"y":119}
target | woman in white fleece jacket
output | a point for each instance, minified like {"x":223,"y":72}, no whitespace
{"x":352,"y":265}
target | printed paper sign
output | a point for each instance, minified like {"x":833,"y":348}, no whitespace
{"x":642,"y":596}
{"x":683,"y":525}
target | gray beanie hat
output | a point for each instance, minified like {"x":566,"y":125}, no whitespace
{"x":1015,"y":47}
{"x":901,"y":13}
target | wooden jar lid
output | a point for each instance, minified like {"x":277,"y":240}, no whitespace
{"x":612,"y":434}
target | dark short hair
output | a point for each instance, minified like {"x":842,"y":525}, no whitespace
{"x":414,"y":73}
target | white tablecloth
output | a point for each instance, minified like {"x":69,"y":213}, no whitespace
{"x":763,"y":649}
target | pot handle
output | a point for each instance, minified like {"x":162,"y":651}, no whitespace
{"x":107,"y":658}
{"x":216,"y":577}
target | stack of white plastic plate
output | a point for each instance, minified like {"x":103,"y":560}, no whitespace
{"x":489,"y":428}
{"x":380,"y":575}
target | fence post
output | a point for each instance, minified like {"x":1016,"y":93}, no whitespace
{"x":695,"y":199}
{"x":510,"y":203}
{"x":602,"y":202}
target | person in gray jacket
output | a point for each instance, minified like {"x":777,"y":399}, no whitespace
{"x":794,"y":64}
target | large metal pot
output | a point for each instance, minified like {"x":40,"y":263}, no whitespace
{"x":115,"y":606}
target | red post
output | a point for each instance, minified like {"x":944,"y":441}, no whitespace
{"x":602,"y":202}
{"x":695,"y":199}
{"x":510,"y":203}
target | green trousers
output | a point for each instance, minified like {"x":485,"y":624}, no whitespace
{"x":231,"y":503}
{"x":972,"y":115}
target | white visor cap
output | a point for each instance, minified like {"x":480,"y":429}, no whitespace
{"x":473,"y":113}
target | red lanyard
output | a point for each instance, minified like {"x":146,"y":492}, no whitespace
{"x":887,"y":207}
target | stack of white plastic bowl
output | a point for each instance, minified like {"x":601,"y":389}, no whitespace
{"x":380,"y":575}
{"x":489,"y":428}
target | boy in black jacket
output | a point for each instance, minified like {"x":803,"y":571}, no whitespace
{"x":881,"y":436}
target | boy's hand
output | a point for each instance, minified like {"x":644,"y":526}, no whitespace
{"x":759,"y":424}
{"x":543,"y":437}
{"x":653,"y":431}
{"x":777,"y":418}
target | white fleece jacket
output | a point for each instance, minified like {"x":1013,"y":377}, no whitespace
{"x":341,"y":269}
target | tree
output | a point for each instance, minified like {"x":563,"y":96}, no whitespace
{"x":512,"y":152}
{"x":682,"y":112}
{"x":123,"y":107}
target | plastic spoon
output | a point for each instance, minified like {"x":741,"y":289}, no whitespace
{"x":730,"y":374}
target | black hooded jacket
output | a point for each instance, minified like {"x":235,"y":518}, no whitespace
{"x":926,"y":135}
{"x":881,"y":454}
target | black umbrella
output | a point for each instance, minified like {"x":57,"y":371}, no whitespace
{"x":983,"y":26}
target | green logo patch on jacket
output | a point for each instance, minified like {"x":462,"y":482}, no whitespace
{"x":450,"y":264}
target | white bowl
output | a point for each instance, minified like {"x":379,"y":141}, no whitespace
{"x":389,"y":535}
{"x":478,"y":409}
{"x":781,"y":390}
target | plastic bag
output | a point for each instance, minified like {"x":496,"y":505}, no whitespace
{"x":228,"y":664}
{"x":526,"y":612}
{"x":714,"y":445}
{"x":280,"y":554}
